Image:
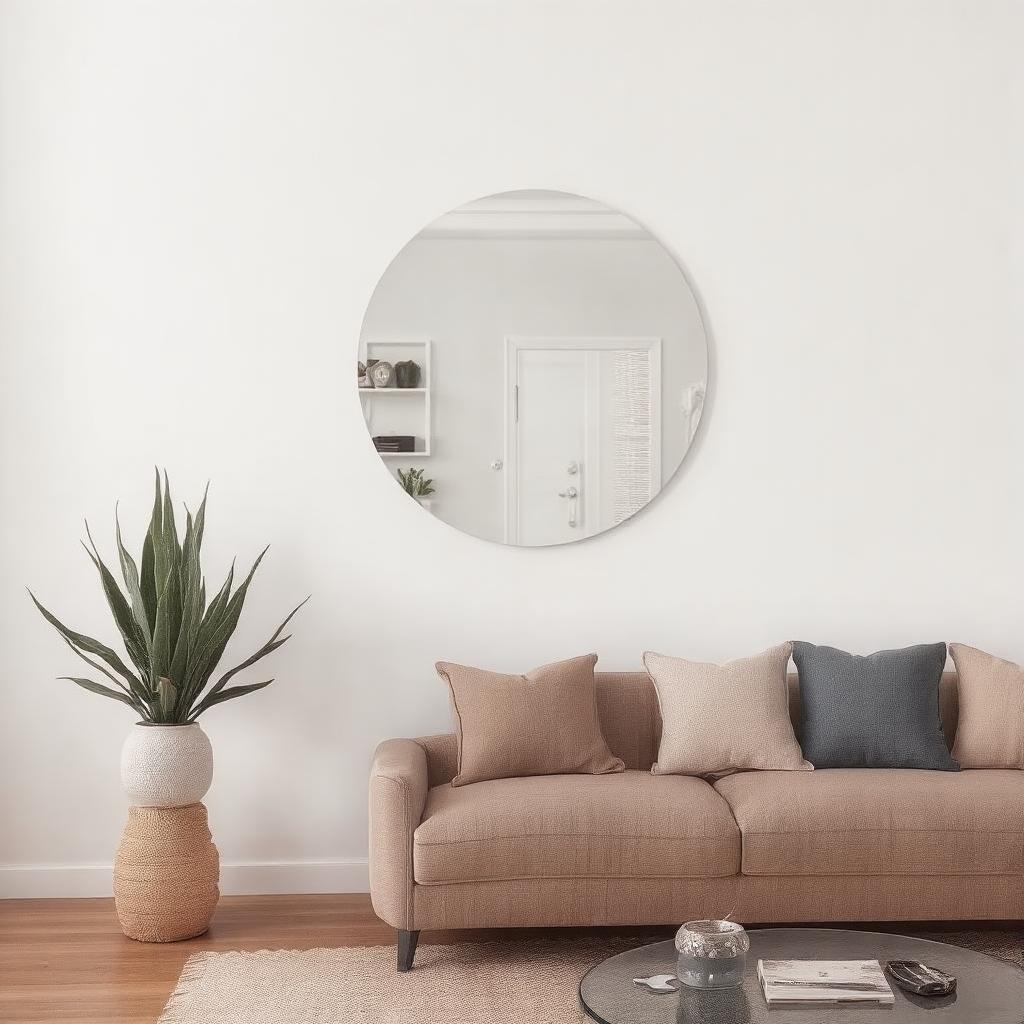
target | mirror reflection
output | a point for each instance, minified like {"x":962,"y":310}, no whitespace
{"x":532,"y":368}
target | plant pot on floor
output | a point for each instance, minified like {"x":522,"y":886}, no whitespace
{"x":167,"y":869}
{"x":165,"y":879}
{"x":166,"y":765}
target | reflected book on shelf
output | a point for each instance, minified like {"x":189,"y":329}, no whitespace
{"x":823,"y":981}
{"x":394,"y":443}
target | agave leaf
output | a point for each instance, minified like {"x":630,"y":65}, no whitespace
{"x":268,"y":648}
{"x":168,"y":540}
{"x":180,"y":644}
{"x":219,"y":602}
{"x":131,"y":579}
{"x":208,"y":625}
{"x":89,"y":645}
{"x":217,"y":635}
{"x":147,"y":580}
{"x":139,"y":697}
{"x":156,"y":532}
{"x":96,"y":665}
{"x":106,"y":691}
{"x":168,"y":624}
{"x":190,"y":582}
{"x":148,"y":567}
{"x":218,"y":698}
{"x":192,"y":611}
{"x":185,"y":544}
{"x":201,"y":519}
{"x":120,"y":609}
{"x":193,"y":553}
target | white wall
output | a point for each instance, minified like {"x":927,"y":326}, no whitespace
{"x":196,"y":201}
{"x":469,"y":294}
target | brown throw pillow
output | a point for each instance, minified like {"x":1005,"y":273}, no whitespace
{"x":542,"y":723}
{"x":718,"y":719}
{"x":990,"y":731}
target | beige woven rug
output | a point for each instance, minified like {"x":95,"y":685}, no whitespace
{"x":518,"y":982}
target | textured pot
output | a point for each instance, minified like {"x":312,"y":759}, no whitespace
{"x":166,"y":765}
{"x":166,"y":874}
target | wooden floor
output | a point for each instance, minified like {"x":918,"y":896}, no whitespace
{"x":66,"y":960}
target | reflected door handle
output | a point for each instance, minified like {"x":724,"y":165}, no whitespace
{"x":572,"y":494}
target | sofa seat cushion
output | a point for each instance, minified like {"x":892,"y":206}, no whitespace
{"x":631,"y":825}
{"x":879,"y":821}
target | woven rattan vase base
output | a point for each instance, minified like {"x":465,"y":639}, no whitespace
{"x":166,"y":874}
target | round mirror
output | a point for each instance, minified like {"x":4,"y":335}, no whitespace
{"x":532,"y":368}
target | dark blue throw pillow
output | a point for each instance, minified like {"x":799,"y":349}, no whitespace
{"x":879,"y":711}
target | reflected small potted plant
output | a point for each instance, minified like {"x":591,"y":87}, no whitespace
{"x":414,"y":484}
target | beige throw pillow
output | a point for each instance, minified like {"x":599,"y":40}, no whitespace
{"x":990,"y":730}
{"x":718,"y":719}
{"x":542,"y":723}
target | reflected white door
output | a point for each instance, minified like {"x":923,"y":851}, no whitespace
{"x":552,"y":453}
{"x":578,"y":459}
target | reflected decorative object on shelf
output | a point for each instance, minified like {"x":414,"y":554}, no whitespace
{"x":407,"y":373}
{"x":382,"y":374}
{"x":174,"y":640}
{"x":712,"y":954}
{"x":361,"y":376}
{"x":398,"y":418}
{"x":567,"y":336}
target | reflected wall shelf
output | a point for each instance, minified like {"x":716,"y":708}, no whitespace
{"x":381,"y":392}
{"x":410,"y":416}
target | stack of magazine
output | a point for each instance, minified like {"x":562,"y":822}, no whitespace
{"x":823,"y":981}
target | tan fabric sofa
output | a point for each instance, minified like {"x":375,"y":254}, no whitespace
{"x":634,"y":848}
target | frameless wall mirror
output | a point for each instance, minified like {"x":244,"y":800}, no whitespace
{"x":532,"y":367}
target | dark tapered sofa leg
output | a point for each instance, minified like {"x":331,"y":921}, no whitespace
{"x":407,"y":949}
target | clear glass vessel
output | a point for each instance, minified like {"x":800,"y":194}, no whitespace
{"x":712,"y":954}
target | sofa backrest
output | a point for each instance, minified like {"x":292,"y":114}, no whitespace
{"x":627,"y":705}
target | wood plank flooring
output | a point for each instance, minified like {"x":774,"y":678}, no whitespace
{"x":66,"y":960}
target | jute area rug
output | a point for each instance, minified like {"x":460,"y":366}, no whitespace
{"x":530,"y":981}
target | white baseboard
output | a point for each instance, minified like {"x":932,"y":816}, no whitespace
{"x":22,"y":881}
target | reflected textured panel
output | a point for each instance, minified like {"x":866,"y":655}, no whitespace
{"x":633,"y":434}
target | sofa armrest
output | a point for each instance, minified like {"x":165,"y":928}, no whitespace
{"x":442,"y":758}
{"x":398,"y":792}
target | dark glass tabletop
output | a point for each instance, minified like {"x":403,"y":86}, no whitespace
{"x":989,"y":991}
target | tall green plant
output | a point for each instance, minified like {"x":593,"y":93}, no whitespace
{"x":173,"y":638}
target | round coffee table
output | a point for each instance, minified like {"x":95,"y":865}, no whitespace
{"x":989,"y":991}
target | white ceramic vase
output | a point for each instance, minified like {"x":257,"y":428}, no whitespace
{"x":166,"y":765}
